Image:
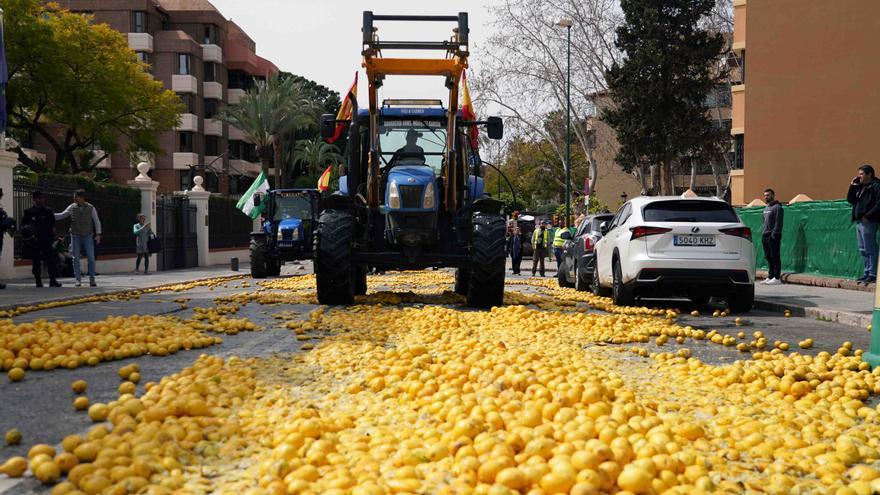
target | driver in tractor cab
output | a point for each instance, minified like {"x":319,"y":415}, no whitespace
{"x":409,"y":151}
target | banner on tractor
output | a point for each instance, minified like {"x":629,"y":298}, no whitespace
{"x":345,"y":110}
{"x":467,"y":110}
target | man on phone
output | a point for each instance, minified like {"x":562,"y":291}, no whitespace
{"x":771,"y":237}
{"x":864,"y":196}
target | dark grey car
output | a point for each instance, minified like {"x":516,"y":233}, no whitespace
{"x":578,"y":255}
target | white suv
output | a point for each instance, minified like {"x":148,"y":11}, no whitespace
{"x":675,"y":246}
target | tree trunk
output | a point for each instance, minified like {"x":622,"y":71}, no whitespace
{"x":693,"y":184}
{"x":593,"y":170}
{"x":668,"y":188}
{"x":716,"y":176}
{"x":655,"y":179}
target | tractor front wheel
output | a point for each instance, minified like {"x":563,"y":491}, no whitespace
{"x":462,"y":280}
{"x":258,"y":257}
{"x":334,"y":271}
{"x":486,"y":277}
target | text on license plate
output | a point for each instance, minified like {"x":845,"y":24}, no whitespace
{"x":694,"y":240}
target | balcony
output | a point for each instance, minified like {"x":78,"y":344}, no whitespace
{"x":212,"y":53}
{"x":235,"y":96}
{"x":184,"y":84}
{"x":188,"y":122}
{"x":738,"y":112}
{"x":212,"y":90}
{"x":140,"y":42}
{"x":235,"y":134}
{"x":182,"y":161}
{"x":213,"y":127}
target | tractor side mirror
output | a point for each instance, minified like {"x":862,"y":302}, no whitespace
{"x":565,"y":235}
{"x":603,"y":227}
{"x":257,"y":199}
{"x":495,"y":127}
{"x":328,"y":125}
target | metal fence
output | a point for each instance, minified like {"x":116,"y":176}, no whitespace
{"x":228,"y":226}
{"x":117,"y":207}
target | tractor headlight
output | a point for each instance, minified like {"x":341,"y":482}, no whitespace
{"x":393,"y":196}
{"x":295,"y":234}
{"x":278,"y":236}
{"x":428,"y":201}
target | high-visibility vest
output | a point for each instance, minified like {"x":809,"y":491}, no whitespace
{"x":558,"y":241}
{"x":539,"y":238}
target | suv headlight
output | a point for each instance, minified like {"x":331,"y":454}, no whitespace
{"x":393,"y":196}
{"x":428,"y":201}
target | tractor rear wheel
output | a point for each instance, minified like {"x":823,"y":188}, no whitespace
{"x":258,"y":257}
{"x":462,"y":280}
{"x":486,"y":284}
{"x":334,"y":272}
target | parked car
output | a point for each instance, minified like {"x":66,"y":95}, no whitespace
{"x":578,"y":255}
{"x":673,"y":246}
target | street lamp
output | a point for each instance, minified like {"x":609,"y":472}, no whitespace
{"x":567,"y":23}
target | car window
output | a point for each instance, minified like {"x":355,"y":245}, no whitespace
{"x":689,"y":211}
{"x":617,"y":218}
{"x":625,"y":214}
{"x":585,"y":226}
{"x":597,"y":221}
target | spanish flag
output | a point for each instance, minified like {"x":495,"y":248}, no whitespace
{"x":344,"y":113}
{"x":324,"y":180}
{"x":467,"y":110}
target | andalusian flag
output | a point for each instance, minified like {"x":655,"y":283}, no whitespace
{"x":345,"y":110}
{"x":324,"y":180}
{"x":467,"y":110}
{"x":246,"y":203}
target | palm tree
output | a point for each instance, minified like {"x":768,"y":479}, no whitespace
{"x":268,"y":111}
{"x":316,"y":154}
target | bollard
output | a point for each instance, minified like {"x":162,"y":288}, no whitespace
{"x":872,"y":357}
{"x":233,"y":263}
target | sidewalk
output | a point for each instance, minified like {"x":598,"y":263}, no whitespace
{"x":23,"y":292}
{"x":848,"y":307}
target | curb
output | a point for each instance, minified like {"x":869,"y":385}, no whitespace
{"x":818,"y":281}
{"x":116,"y":292}
{"x":842,"y":317}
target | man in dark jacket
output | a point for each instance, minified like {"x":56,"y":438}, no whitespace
{"x":514,"y":249}
{"x":771,"y":237}
{"x":864,"y":195}
{"x":41,"y":222}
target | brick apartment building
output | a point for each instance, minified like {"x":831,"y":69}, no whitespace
{"x":208,"y":61}
{"x":805,"y":109}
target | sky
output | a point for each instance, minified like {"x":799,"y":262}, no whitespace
{"x":321,"y":39}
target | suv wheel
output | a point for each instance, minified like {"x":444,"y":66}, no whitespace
{"x":579,"y":284}
{"x":742,"y":300}
{"x":595,"y":287}
{"x":622,"y":295}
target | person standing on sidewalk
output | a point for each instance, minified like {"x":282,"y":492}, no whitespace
{"x":41,"y":220}
{"x":85,"y":233}
{"x":864,"y":195}
{"x":539,"y":245}
{"x":142,"y":234}
{"x":772,"y":237}
{"x":514,"y":249}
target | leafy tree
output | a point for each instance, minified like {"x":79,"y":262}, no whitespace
{"x":269,"y":111}
{"x":660,"y":86}
{"x":315,"y":154}
{"x":79,"y":87}
{"x":326,"y":97}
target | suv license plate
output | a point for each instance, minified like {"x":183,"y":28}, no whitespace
{"x":694,"y":240}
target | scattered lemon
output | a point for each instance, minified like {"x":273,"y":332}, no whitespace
{"x":81,"y":403}
{"x":79,"y":386}
{"x":13,"y":437}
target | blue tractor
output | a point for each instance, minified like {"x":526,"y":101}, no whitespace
{"x":289,"y":218}
{"x":412,"y":194}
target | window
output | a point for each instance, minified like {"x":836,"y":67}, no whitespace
{"x":184,"y":65}
{"x":719,"y":97}
{"x":212,"y":146}
{"x":186,"y":142}
{"x":140,"y":22}
{"x":211,"y":108}
{"x":143,"y":57}
{"x":689,"y":211}
{"x":625,"y":214}
{"x":239,"y":80}
{"x":739,"y":148}
{"x":210,"y":36}
{"x":188,"y":102}
{"x":210,"y":72}
{"x":185,"y":179}
{"x":212,"y":182}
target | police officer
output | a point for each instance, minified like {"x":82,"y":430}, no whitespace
{"x":41,"y":222}
{"x":558,"y":243}
{"x":539,"y":245}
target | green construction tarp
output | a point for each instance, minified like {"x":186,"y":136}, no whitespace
{"x":817,"y":238}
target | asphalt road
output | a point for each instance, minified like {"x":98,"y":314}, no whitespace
{"x":41,"y":405}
